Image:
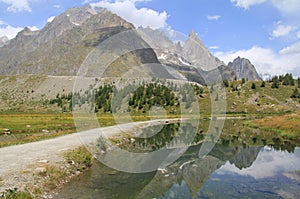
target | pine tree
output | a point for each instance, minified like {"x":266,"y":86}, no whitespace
{"x":225,"y":83}
{"x":243,"y":81}
{"x":253,"y":86}
{"x":295,"y":93}
{"x":275,"y":83}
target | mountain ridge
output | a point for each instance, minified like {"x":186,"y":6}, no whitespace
{"x":64,"y":44}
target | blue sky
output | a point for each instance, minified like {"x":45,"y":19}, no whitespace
{"x":265,"y":31}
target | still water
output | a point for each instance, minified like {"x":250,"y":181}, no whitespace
{"x":226,"y":172}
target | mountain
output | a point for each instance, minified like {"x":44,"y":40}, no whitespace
{"x":108,"y":46}
{"x":196,"y":52}
{"x":244,"y":69}
{"x":192,"y":61}
{"x":70,"y":39}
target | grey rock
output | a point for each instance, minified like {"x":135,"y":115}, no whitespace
{"x":3,"y":41}
{"x":244,"y":69}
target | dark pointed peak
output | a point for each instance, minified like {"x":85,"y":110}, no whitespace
{"x":194,"y":37}
{"x":241,"y":59}
{"x":26,"y":30}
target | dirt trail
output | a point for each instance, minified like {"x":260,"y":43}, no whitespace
{"x":15,"y":161}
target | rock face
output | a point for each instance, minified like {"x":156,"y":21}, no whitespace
{"x":192,"y":61}
{"x":62,"y":45}
{"x":196,"y":52}
{"x":244,"y":69}
{"x":3,"y":40}
{"x":68,"y":42}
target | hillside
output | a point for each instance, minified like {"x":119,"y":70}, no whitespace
{"x":33,"y":93}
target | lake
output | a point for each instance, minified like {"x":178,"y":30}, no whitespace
{"x":232,"y":169}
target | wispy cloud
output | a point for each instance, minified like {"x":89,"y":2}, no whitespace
{"x":213,"y":17}
{"x":214,"y":47}
{"x":56,"y":6}
{"x":298,"y":34}
{"x":281,"y":30}
{"x":292,"y":49}
{"x":246,"y":4}
{"x":17,"y":5}
{"x":288,"y":8}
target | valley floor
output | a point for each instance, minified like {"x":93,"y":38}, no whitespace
{"x":19,"y":163}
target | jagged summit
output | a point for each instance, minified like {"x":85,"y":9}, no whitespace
{"x":62,"y":45}
{"x":244,"y":69}
{"x":198,"y":54}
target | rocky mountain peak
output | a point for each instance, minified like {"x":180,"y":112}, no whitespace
{"x":198,"y":54}
{"x":63,"y":44}
{"x":193,"y":35}
{"x":25,"y":31}
{"x":244,"y":69}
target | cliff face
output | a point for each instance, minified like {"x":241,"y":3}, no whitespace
{"x":3,"y":40}
{"x":62,"y":45}
{"x":244,"y":69}
{"x":199,"y":55}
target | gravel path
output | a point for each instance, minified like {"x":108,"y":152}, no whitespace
{"x":16,"y":161}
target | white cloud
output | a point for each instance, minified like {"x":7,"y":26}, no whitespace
{"x":33,"y":28}
{"x":287,"y":7}
{"x":292,"y":49}
{"x":282,"y":30}
{"x":1,"y":22}
{"x":266,"y":60}
{"x":213,"y":17}
{"x":246,"y":4}
{"x":267,"y":164}
{"x":17,"y":5}
{"x":214,"y":47}
{"x":139,"y":17}
{"x":9,"y":31}
{"x":50,"y":19}
{"x":298,"y":34}
{"x":56,"y":6}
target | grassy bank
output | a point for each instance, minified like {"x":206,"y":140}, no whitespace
{"x":287,"y":126}
{"x":20,"y":128}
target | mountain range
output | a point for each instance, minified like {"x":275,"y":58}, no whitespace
{"x":105,"y":45}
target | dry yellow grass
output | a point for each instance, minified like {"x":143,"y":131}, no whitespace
{"x":286,"y":125}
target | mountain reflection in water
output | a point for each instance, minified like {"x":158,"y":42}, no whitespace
{"x":226,"y":172}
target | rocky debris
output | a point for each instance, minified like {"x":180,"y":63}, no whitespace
{"x":43,"y":161}
{"x":40,"y":170}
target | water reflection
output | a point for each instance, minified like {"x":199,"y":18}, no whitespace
{"x":231,"y":170}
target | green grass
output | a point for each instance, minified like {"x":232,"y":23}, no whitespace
{"x":15,"y":194}
{"x":80,"y":158}
{"x":26,"y":128}
{"x":287,"y":126}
